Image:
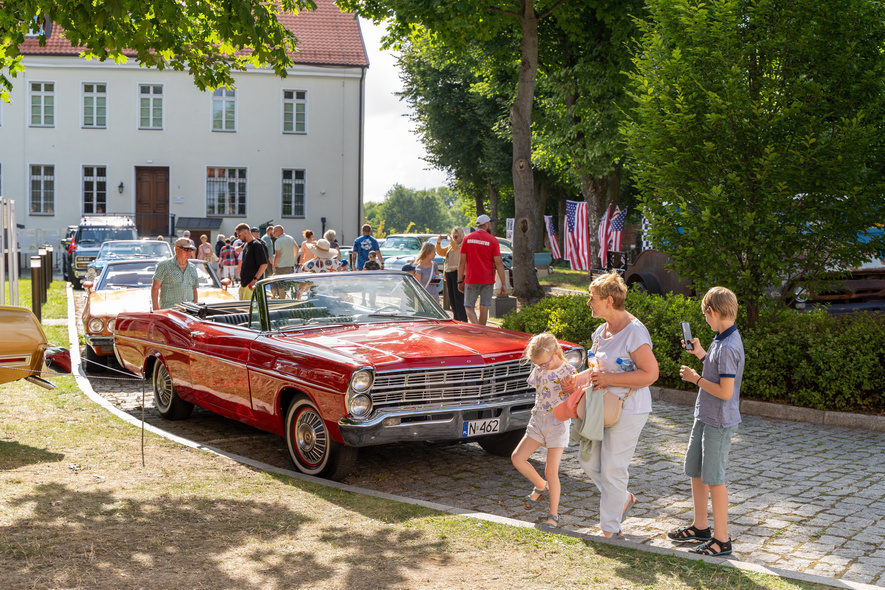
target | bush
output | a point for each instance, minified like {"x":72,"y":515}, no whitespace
{"x":812,"y":360}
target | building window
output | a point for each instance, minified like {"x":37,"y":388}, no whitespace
{"x":294,"y":111}
{"x":42,"y":104}
{"x":95,"y":106}
{"x":150,"y":106}
{"x":95,"y":189}
{"x":226,"y":191}
{"x":42,"y":189}
{"x":293,"y":193}
{"x":224,"y":110}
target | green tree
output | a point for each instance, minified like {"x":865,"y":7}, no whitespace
{"x":208,"y":38}
{"x":757,"y":137}
{"x":405,"y":209}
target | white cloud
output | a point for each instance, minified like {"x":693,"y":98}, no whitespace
{"x":392,"y":151}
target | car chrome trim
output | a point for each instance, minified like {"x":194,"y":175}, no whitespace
{"x":99,"y":340}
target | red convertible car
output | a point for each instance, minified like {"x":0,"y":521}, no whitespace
{"x":335,"y":362}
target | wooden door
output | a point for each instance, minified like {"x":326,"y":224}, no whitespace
{"x":152,"y":201}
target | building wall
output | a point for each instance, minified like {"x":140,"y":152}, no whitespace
{"x":330,"y":151}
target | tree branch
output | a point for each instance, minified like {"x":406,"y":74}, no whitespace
{"x":502,"y":11}
{"x":551,"y":9}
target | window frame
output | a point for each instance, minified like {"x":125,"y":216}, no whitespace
{"x":31,"y":212}
{"x":294,"y":102}
{"x":245,"y":195}
{"x":95,"y":95}
{"x":95,"y":178}
{"x":42,"y":93}
{"x":224,"y":100}
{"x":303,"y":194}
{"x":151,"y":108}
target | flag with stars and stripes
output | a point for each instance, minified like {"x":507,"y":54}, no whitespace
{"x":577,"y":235}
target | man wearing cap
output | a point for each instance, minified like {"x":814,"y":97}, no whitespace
{"x":175,"y":279}
{"x":480,"y":258}
{"x":254,"y":260}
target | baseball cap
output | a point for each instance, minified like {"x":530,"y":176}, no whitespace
{"x":483,"y":219}
{"x":408,"y":268}
{"x":185,"y":244}
{"x":254,"y":230}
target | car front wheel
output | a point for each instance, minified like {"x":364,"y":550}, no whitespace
{"x":166,"y":399}
{"x":502,"y":445}
{"x":95,"y":363}
{"x":311,"y":447}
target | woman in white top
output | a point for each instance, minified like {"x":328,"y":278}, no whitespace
{"x":626,"y":362}
{"x":452,"y":254}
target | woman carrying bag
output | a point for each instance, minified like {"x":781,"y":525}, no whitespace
{"x":626,"y":362}
{"x":452,"y":254}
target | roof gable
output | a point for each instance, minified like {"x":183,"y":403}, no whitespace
{"x":326,"y":36}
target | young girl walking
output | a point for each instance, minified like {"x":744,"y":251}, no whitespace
{"x":550,"y":373}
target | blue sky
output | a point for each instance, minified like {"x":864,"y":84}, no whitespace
{"x":392,"y":151}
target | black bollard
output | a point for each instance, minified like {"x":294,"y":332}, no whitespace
{"x":41,"y":252}
{"x":48,"y":266}
{"x":36,"y":279}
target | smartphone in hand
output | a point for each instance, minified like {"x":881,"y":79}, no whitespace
{"x":686,"y":336}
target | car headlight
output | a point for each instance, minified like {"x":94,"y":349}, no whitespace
{"x":95,"y":325}
{"x":91,"y":274}
{"x":111,"y":323}
{"x":361,"y":381}
{"x":576,"y":357}
{"x":359,"y":406}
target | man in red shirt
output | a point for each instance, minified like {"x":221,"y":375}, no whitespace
{"x":480,"y":258}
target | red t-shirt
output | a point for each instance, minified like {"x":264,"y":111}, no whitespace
{"x":480,"y":248}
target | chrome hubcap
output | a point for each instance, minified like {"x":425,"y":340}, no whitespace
{"x":310,"y":435}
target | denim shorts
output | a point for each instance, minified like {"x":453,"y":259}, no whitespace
{"x":707,"y":453}
{"x":483,"y":292}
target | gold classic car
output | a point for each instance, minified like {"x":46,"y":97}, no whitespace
{"x":24,"y":351}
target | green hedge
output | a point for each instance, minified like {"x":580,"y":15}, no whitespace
{"x":813,"y":360}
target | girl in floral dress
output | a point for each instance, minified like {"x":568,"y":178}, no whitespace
{"x":550,"y":375}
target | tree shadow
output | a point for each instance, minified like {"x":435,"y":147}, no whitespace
{"x":75,"y":538}
{"x":14,"y":455}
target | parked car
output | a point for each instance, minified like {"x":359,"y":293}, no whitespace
{"x":334,"y":362}
{"x":91,"y":233}
{"x":127,"y":250}
{"x":24,"y":350}
{"x":403,"y":244}
{"x":65,"y":251}
{"x":125,"y":285}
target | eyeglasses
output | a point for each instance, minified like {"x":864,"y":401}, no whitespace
{"x":547,"y":364}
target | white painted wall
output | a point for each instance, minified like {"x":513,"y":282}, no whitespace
{"x":330,"y":152}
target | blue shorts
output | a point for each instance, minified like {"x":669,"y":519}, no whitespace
{"x":707,"y":453}
{"x":483,"y":292}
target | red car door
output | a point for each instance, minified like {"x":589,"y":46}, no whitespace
{"x":219,"y":368}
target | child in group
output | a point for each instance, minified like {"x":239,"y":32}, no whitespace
{"x":716,"y":418}
{"x":228,"y":261}
{"x":372,"y":263}
{"x":551,"y":374}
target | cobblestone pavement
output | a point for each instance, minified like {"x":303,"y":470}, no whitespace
{"x":804,"y":497}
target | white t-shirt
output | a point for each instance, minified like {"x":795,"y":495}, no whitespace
{"x":620,"y":346}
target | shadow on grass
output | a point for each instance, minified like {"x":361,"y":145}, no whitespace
{"x":72,"y":537}
{"x":14,"y":455}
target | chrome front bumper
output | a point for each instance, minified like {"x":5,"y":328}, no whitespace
{"x":431,"y":424}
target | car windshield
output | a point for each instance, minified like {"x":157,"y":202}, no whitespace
{"x":134,"y":275}
{"x":97,"y":235}
{"x":143,"y":249}
{"x":395,"y":243}
{"x":348,"y":298}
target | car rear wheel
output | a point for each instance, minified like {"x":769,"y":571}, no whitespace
{"x":311,"y":447}
{"x":166,"y":399}
{"x":94,"y":362}
{"x":502,"y":445}
{"x":75,"y":282}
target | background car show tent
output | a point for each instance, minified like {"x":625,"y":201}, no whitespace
{"x":84,"y":137}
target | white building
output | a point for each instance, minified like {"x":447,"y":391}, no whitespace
{"x":82,"y":137}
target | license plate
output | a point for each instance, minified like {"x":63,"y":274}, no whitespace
{"x":481,"y":427}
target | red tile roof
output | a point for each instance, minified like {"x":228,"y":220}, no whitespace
{"x":326,"y":36}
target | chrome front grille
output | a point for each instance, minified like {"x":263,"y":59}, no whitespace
{"x":451,"y":386}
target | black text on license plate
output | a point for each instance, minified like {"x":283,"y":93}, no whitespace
{"x":481,"y":427}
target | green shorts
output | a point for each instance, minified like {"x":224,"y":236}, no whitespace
{"x":707,"y":453}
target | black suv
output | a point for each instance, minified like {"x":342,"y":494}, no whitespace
{"x":92,"y":232}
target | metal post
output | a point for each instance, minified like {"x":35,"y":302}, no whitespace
{"x":41,"y":252}
{"x":49,"y":267}
{"x":36,"y":276}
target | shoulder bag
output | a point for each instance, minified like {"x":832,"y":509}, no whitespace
{"x":612,"y":404}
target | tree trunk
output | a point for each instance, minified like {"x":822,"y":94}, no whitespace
{"x":525,"y":231}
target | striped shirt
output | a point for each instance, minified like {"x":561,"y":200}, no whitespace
{"x":176,"y":285}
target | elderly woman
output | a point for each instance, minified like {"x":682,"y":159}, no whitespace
{"x":627,"y":367}
{"x":452,"y":254}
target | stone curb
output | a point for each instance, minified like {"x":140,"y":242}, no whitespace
{"x":657,"y":393}
{"x":781,"y":411}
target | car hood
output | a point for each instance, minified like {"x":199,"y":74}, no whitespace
{"x":414,"y":344}
{"x":112,"y":303}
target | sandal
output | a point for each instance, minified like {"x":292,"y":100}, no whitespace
{"x":547,"y":525}
{"x":529,"y":503}
{"x":630,"y":502}
{"x":707,"y":548}
{"x":690,"y":534}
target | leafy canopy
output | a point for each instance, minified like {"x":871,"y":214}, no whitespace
{"x":757,"y":137}
{"x":207,"y":38}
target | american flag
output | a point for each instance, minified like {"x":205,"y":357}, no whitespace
{"x":551,"y":236}
{"x":602,"y":235}
{"x":616,"y":229}
{"x":577,"y":239}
